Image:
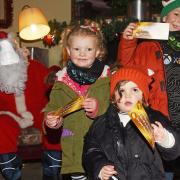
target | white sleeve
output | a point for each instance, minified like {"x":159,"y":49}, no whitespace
{"x":168,"y":141}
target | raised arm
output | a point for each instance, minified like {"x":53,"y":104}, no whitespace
{"x":127,"y":46}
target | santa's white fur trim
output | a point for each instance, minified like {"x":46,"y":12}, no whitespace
{"x":20,"y":103}
{"x":27,"y":116}
{"x":23,"y":123}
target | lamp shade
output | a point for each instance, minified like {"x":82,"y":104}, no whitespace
{"x":32,"y":24}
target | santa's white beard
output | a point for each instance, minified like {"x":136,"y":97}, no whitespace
{"x":13,"y":78}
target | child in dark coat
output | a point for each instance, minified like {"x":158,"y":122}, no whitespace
{"x":114,"y":148}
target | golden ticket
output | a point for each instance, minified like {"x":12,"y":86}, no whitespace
{"x":69,"y":108}
{"x":152,"y":30}
{"x":141,"y":120}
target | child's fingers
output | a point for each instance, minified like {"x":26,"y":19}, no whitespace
{"x":158,"y":124}
{"x":107,"y":172}
{"x":53,"y":121}
{"x":59,"y":123}
{"x":128,"y":32}
{"x":154,"y":126}
{"x":50,"y":124}
{"x":87,"y":102}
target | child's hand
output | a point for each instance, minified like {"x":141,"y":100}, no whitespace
{"x":106,"y":172}
{"x":160,"y":132}
{"x":90,"y":106}
{"x":128,"y":32}
{"x":53,"y":121}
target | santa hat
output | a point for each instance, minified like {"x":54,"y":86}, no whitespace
{"x":133,"y":74}
{"x":168,"y":6}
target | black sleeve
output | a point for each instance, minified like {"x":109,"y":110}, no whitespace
{"x":94,"y":157}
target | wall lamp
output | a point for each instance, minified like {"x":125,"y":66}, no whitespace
{"x":33,"y":24}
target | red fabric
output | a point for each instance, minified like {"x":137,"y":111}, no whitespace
{"x":3,"y":35}
{"x":36,"y":99}
{"x":149,"y":55}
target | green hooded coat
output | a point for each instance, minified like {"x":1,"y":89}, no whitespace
{"x":77,"y":123}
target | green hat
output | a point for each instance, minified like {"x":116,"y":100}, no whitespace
{"x":169,"y":6}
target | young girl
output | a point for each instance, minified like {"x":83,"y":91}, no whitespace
{"x":114,"y":148}
{"x":85,"y":74}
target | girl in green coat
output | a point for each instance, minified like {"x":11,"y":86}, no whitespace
{"x":85,"y":75}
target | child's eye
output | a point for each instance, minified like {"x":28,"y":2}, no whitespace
{"x":176,"y":14}
{"x":76,"y":49}
{"x":121,"y":91}
{"x":135,"y":89}
{"x":89,"y":49}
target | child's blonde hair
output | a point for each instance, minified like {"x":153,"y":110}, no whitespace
{"x":80,"y":30}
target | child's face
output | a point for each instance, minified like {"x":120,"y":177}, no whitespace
{"x":173,"y":18}
{"x":83,"y":50}
{"x":131,"y":94}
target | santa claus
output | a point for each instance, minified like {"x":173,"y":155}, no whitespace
{"x":23,"y":95}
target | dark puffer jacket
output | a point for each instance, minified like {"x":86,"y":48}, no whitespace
{"x":109,"y":143}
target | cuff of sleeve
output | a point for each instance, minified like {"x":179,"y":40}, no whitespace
{"x":100,"y":174}
{"x":169,"y":140}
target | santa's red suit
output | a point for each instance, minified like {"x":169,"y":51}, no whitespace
{"x":35,"y":99}
{"x":23,"y":96}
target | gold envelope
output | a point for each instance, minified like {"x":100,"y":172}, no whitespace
{"x":152,"y":30}
{"x":141,"y":120}
{"x":69,"y":108}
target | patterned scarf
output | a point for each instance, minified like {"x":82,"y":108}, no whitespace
{"x":174,"y":40}
{"x":85,"y":76}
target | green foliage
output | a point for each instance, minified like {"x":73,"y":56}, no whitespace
{"x":112,"y":30}
{"x":54,"y":36}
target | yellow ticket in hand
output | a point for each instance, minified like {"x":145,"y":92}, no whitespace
{"x":151,"y":30}
{"x":141,"y":120}
{"x":69,"y":108}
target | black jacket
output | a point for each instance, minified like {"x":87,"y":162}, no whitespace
{"x":109,"y":143}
